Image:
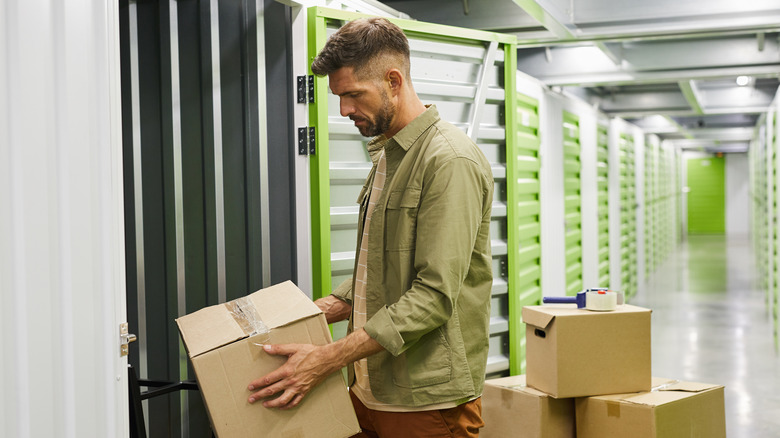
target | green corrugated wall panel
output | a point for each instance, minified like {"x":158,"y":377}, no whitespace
{"x":529,"y":207}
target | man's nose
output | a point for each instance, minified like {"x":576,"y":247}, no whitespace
{"x":346,"y":108}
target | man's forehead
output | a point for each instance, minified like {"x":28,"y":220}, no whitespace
{"x":343,"y":81}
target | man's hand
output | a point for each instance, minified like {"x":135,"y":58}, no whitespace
{"x":306,"y":366}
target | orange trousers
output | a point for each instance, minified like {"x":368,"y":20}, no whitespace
{"x":462,"y":421}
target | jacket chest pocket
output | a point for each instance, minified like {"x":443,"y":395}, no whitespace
{"x":401,"y":219}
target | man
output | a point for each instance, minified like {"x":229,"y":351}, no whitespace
{"x":419,"y":301}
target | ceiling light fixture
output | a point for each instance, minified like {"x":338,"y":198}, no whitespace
{"x":743,"y":80}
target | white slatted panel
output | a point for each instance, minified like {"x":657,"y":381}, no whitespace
{"x":62,"y":251}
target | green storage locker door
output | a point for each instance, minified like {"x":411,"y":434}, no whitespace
{"x":526,"y":227}
{"x":775,"y":260}
{"x":706,"y":198}
{"x":648,"y":208}
{"x":627,"y":215}
{"x":602,"y":188}
{"x":464,"y":73}
{"x":572,"y":202}
{"x":760,"y":216}
{"x":665,"y":232}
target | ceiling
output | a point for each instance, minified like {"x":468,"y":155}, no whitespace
{"x":670,"y":66}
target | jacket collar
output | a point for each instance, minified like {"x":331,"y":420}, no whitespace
{"x":406,"y":137}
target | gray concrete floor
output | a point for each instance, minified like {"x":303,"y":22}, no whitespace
{"x":711,"y":324}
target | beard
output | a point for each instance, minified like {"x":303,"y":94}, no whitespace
{"x":380,"y":123}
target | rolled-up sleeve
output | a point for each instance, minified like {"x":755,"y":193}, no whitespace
{"x":344,"y":291}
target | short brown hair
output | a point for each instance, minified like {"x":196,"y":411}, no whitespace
{"x":361,"y":44}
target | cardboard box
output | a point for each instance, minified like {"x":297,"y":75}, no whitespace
{"x":223,"y":343}
{"x":673,"y":409}
{"x":578,"y":353}
{"x":512,"y":409}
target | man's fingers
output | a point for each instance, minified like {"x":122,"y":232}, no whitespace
{"x":281,"y":349}
{"x":267,"y":380}
{"x":295,"y":402}
{"x":288,"y":400}
{"x":266,"y":391}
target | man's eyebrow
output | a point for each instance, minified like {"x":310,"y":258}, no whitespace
{"x":346,"y":92}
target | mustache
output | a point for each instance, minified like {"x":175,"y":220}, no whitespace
{"x":357,"y":118}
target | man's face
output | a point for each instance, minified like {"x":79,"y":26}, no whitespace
{"x":365,"y":102}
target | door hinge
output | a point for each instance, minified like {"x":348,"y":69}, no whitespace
{"x":125,"y":338}
{"x":305,"y":89}
{"x":307,"y":140}
{"x":301,"y":87}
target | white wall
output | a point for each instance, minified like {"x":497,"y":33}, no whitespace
{"x":62,"y":282}
{"x":552,"y":214}
{"x":737,"y":195}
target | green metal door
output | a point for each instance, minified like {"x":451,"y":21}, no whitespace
{"x":759,"y":181}
{"x":525,"y":232}
{"x":774,"y":262}
{"x":572,"y":202}
{"x":602,"y":188}
{"x":706,"y":198}
{"x":650,"y":206}
{"x":627,"y":215}
{"x":664,"y":229}
{"x":468,"y":75}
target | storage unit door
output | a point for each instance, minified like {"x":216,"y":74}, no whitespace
{"x":628,"y":215}
{"x":649,"y":207}
{"x":572,"y":202}
{"x":706,"y":199}
{"x":774,"y":264}
{"x":462,"y":72}
{"x":525,"y":232}
{"x":602,"y":187}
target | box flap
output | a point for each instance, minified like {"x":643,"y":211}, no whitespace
{"x":266,"y":309}
{"x":537,"y":316}
{"x":676,"y":385}
{"x":208,"y":328}
{"x":666,"y":391}
{"x":282,"y":304}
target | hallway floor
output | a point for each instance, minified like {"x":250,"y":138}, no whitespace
{"x":711,"y":325}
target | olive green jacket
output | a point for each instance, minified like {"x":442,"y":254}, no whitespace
{"x":429,"y":265}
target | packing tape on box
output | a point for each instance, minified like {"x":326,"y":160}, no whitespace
{"x":664,"y":386}
{"x":601,"y":301}
{"x":246,"y":316}
{"x":613,"y":409}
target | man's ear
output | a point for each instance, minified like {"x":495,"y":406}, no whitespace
{"x":395,"y":80}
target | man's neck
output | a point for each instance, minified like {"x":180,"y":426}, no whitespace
{"x":408,"y":109}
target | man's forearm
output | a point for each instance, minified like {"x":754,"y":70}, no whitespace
{"x":334,"y":308}
{"x":354,"y":347}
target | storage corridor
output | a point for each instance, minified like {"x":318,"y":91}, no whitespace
{"x":711,"y":324}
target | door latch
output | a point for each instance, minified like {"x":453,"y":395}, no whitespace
{"x":125,"y":339}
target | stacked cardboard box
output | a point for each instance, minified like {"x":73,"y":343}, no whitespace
{"x":589,"y":376}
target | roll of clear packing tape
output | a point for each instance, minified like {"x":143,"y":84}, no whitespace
{"x":601,"y":301}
